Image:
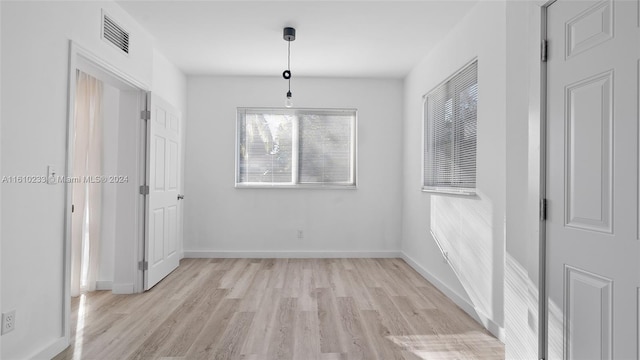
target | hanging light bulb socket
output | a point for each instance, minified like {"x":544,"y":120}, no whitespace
{"x":289,"y":35}
{"x":288,"y":103}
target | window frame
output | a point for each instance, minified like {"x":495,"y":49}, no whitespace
{"x":467,"y":191}
{"x":295,"y":165}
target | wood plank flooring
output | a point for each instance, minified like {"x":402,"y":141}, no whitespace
{"x":303,"y":309}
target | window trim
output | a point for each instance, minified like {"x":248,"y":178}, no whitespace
{"x":351,"y":185}
{"x":444,"y":190}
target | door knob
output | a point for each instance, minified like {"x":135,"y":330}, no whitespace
{"x":180,"y":197}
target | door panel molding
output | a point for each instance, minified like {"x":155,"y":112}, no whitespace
{"x":589,"y":29}
{"x":172,"y":181}
{"x":638,"y":322}
{"x":172,"y":233}
{"x":589,"y":137}
{"x":157,"y":228}
{"x":159,"y":149}
{"x":591,"y":296}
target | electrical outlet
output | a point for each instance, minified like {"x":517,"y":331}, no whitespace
{"x":8,"y":321}
{"x":300,"y":234}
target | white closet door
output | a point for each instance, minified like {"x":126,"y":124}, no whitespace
{"x":592,"y":179}
{"x":163,"y":177}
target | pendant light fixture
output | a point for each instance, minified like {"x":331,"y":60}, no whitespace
{"x":289,"y":34}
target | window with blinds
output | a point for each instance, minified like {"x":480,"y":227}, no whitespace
{"x":450,"y":116}
{"x":296,"y":148}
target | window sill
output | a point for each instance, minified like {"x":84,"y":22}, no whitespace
{"x":450,"y":191}
{"x":299,"y":187}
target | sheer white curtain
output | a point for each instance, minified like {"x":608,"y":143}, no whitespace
{"x":87,"y":194}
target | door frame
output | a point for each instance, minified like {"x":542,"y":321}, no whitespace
{"x":543,"y":299}
{"x":77,"y":56}
{"x":537,"y":149}
{"x":544,"y":270}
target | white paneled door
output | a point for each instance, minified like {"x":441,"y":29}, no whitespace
{"x":163,"y":177}
{"x":592,"y":179}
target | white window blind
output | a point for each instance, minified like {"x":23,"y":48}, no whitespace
{"x":450,"y":115}
{"x":296,"y":148}
{"x":266,"y":148}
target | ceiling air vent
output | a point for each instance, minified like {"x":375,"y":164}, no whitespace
{"x":114,"y":33}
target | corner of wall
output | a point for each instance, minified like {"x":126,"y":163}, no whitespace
{"x":460,"y":300}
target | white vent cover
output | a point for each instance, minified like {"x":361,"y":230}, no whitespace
{"x":114,"y":33}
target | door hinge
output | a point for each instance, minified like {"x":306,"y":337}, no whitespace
{"x":543,"y":209}
{"x":73,"y":208}
{"x":144,"y":189}
{"x":543,"y":51}
{"x":145,"y":115}
{"x":143,"y":265}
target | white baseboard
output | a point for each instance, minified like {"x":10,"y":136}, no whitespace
{"x":205,"y":254}
{"x":490,"y":325}
{"x":53,"y":349}
{"x":458,"y":299}
{"x":104,"y":285}
{"x":122,"y":289}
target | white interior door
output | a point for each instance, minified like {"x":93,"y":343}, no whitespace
{"x":163,"y":177}
{"x":592,"y":179}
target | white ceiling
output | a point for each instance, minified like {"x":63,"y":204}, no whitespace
{"x":334,"y":38}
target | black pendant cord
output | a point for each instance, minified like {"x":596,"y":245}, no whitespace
{"x":289,"y":34}
{"x":289,"y":62}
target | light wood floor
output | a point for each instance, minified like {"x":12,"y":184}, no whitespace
{"x":251,"y":309}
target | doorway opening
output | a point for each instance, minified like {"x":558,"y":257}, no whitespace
{"x":87,"y":209}
{"x":106,"y":166}
{"x":105,"y":224}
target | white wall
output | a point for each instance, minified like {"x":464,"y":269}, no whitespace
{"x":222,"y":219}
{"x":523,"y":179}
{"x":120,"y":231}
{"x":169,"y":82}
{"x":111,"y":120}
{"x":33,"y":135}
{"x":129,"y":202}
{"x":471,"y":230}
